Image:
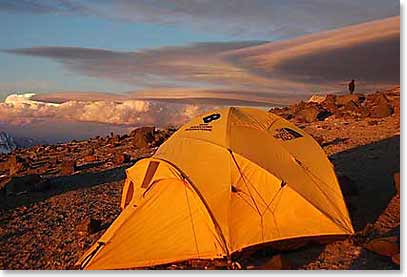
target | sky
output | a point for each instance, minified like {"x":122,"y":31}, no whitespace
{"x":191,"y":52}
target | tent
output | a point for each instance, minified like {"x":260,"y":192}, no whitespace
{"x":227,"y":180}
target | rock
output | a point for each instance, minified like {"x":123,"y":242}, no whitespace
{"x":89,"y":226}
{"x":317,"y":99}
{"x":162,"y":135}
{"x":330,"y":98}
{"x":387,"y":246}
{"x":354,"y":109}
{"x":330,"y":103}
{"x":381,"y":110}
{"x":116,"y":139}
{"x":348,"y":186}
{"x":295,"y":108}
{"x":379,"y":105}
{"x":284,"y":112}
{"x":24,"y":184}
{"x":122,"y":158}
{"x":308,"y":114}
{"x":277,"y":262}
{"x":342,"y":100}
{"x":396,"y":181}
{"x":373,"y":122}
{"x":89,"y":158}
{"x":396,"y":259}
{"x":379,"y":98}
{"x":319,"y":139}
{"x":68,"y":167}
{"x":143,"y":136}
{"x":123,"y":137}
{"x":15,"y":164}
{"x":198,"y":264}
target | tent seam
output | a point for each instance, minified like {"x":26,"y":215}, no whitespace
{"x":214,"y":221}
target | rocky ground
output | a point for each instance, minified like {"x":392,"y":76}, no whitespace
{"x":57,"y":200}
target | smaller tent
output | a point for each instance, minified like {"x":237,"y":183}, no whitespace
{"x":227,"y":180}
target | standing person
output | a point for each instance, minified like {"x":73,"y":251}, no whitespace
{"x":351,"y":86}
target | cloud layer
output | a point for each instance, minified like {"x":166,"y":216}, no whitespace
{"x":20,"y":110}
{"x":276,"y":72}
{"x":241,"y":18}
{"x":164,"y":66}
{"x":368,"y":52}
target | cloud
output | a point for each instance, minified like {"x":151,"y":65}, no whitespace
{"x":44,"y":6}
{"x":369,"y":52}
{"x":161,"y":67}
{"x":25,"y":85}
{"x":275,"y":72}
{"x":241,"y":18}
{"x":177,"y":95}
{"x":23,"y":115}
{"x":20,"y":110}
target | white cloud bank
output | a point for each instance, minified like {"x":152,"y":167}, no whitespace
{"x":20,"y":110}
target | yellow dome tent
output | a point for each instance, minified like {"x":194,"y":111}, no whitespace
{"x":227,"y":180}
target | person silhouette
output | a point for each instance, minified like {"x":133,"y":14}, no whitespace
{"x":351,"y":86}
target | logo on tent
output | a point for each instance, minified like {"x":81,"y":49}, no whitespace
{"x":210,"y":118}
{"x":286,"y":134}
{"x":204,"y":126}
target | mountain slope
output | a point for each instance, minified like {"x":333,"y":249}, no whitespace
{"x":7,"y":143}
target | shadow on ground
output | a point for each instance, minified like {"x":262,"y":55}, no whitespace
{"x":62,"y":184}
{"x":371,"y":167}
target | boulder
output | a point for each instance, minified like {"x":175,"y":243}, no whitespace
{"x":15,"y":164}
{"x":123,"y":137}
{"x":330,"y":103}
{"x":379,"y":105}
{"x":89,"y":226}
{"x":381,"y":110}
{"x":68,"y":167}
{"x":143,"y":136}
{"x":114,"y":139}
{"x":387,"y":246}
{"x":4,"y":166}
{"x":379,"y":97}
{"x":330,"y":98}
{"x":89,"y":158}
{"x":354,"y":109}
{"x":122,"y":159}
{"x":396,"y":181}
{"x":317,"y":99}
{"x":342,"y":100}
{"x":293,"y":109}
{"x":159,"y":139}
{"x":284,"y":112}
{"x":308,"y":115}
{"x":162,"y":135}
{"x":277,"y":262}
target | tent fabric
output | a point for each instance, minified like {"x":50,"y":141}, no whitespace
{"x":227,"y":180}
{"x":140,"y":239}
